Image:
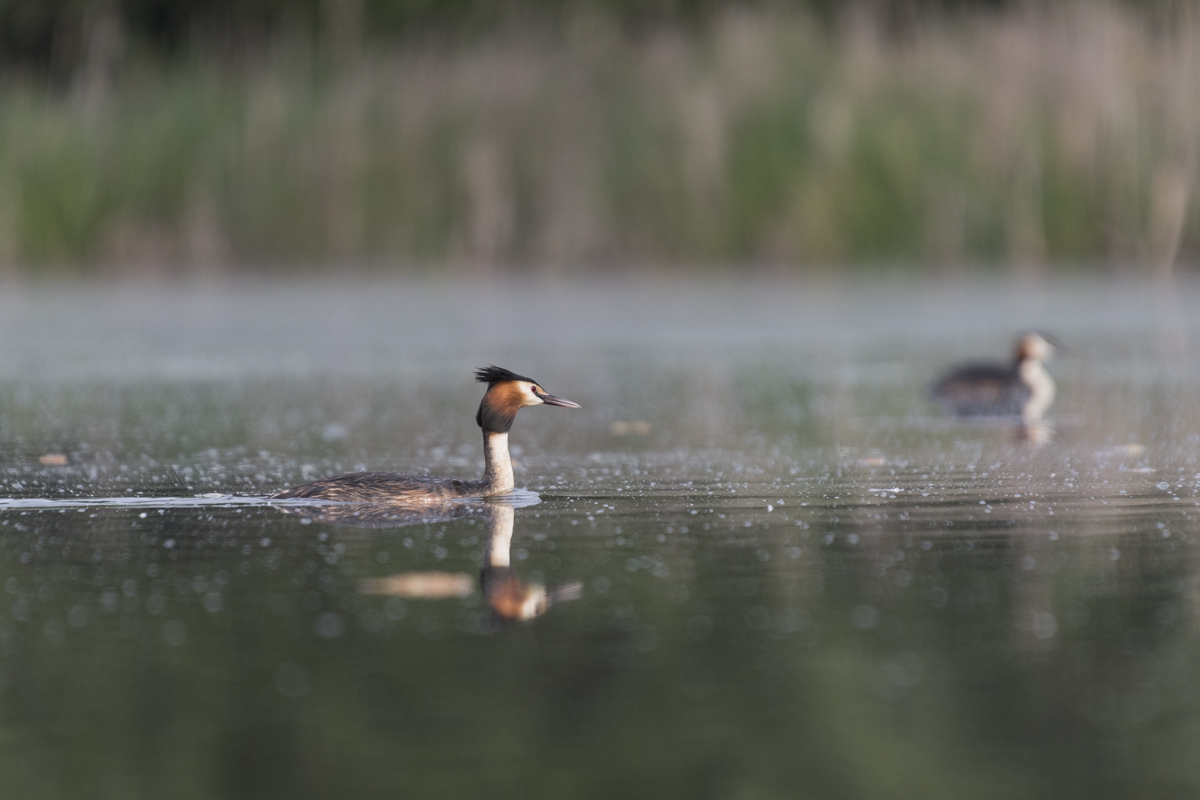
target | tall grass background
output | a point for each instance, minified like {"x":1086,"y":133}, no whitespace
{"x":1061,"y":137}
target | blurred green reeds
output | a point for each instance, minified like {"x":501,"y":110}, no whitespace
{"x":1005,"y":141}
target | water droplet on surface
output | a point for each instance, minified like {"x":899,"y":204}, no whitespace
{"x":395,"y":609}
{"x":1045,"y":626}
{"x":329,"y":625}
{"x":699,"y":627}
{"x":865,"y":616}
{"x":174,"y":633}
{"x":78,"y":616}
{"x":53,"y":631}
{"x":291,"y":680}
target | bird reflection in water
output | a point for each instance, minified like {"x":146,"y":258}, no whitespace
{"x":1033,"y":432}
{"x":511,"y":598}
{"x":385,"y":515}
{"x":508,"y":597}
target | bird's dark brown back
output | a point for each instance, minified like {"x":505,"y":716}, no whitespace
{"x":377,"y":487}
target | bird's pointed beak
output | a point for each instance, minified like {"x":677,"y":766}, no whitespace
{"x":551,"y":400}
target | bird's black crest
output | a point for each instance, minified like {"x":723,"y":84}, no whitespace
{"x":493,"y":374}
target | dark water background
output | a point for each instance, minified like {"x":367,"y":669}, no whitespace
{"x":796,"y":579}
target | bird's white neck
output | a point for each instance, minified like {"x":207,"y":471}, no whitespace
{"x":1041,"y":388}
{"x":497,"y":470}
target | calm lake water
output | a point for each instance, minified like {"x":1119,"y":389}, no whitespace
{"x":778,"y":572}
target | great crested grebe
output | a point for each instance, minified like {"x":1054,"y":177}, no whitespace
{"x":507,"y":393}
{"x":1021,"y":389}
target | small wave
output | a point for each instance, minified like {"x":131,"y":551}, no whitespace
{"x":519,"y":498}
{"x":194,"y":501}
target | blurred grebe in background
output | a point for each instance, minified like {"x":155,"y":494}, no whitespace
{"x":507,"y":393}
{"x":1021,"y":388}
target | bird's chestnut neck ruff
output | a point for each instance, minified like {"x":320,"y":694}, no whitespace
{"x":499,"y":407}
